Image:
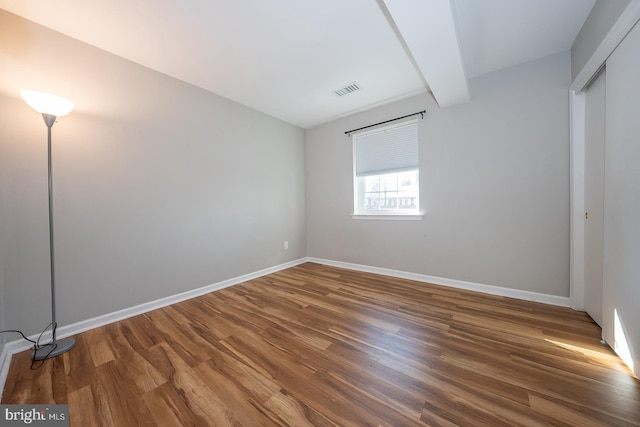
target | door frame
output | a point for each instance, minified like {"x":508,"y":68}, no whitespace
{"x":577,"y":189}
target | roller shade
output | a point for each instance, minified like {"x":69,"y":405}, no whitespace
{"x":387,"y":150}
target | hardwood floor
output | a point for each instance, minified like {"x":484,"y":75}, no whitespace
{"x":322,"y":346}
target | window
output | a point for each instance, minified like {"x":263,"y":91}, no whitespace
{"x":386,"y":173}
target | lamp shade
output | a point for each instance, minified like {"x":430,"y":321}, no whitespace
{"x":46,"y":103}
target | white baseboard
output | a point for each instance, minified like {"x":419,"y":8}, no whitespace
{"x":17,"y":346}
{"x":459,"y":284}
{"x":14,"y":347}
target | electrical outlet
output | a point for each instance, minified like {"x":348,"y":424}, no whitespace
{"x":286,"y":244}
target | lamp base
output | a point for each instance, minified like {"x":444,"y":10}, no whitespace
{"x":52,"y":350}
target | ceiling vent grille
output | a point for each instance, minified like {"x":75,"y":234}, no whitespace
{"x":352,"y":87}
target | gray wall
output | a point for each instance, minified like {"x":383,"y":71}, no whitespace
{"x":494,"y":176}
{"x":160,"y":187}
{"x":3,"y":337}
{"x":600,"y":20}
{"x":4,"y":181}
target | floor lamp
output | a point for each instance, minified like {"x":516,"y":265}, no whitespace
{"x":51,"y":107}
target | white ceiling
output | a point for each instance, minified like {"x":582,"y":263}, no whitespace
{"x":285,"y":57}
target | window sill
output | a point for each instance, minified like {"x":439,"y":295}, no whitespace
{"x":389,"y":216}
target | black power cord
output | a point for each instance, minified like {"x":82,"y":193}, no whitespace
{"x":36,"y":344}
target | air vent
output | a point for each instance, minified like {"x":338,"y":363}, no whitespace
{"x":352,"y":87}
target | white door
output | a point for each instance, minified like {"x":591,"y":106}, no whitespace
{"x":621,"y":290}
{"x":594,"y":196}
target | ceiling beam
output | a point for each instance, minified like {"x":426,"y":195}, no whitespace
{"x":428,"y":29}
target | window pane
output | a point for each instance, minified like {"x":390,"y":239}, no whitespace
{"x":390,"y":192}
{"x":372,"y":183}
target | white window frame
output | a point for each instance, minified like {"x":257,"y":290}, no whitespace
{"x":358,"y":184}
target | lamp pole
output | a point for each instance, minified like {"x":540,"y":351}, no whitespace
{"x":51,"y":107}
{"x":50,"y":120}
{"x":56,"y":347}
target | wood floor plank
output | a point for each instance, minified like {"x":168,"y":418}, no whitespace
{"x":100,"y":347}
{"x":292,"y":412}
{"x":117,"y":337}
{"x":234,"y":396}
{"x":122,"y":395}
{"x":315,"y":345}
{"x":199,"y":397}
{"x":168,"y":408}
{"x":95,"y":409}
